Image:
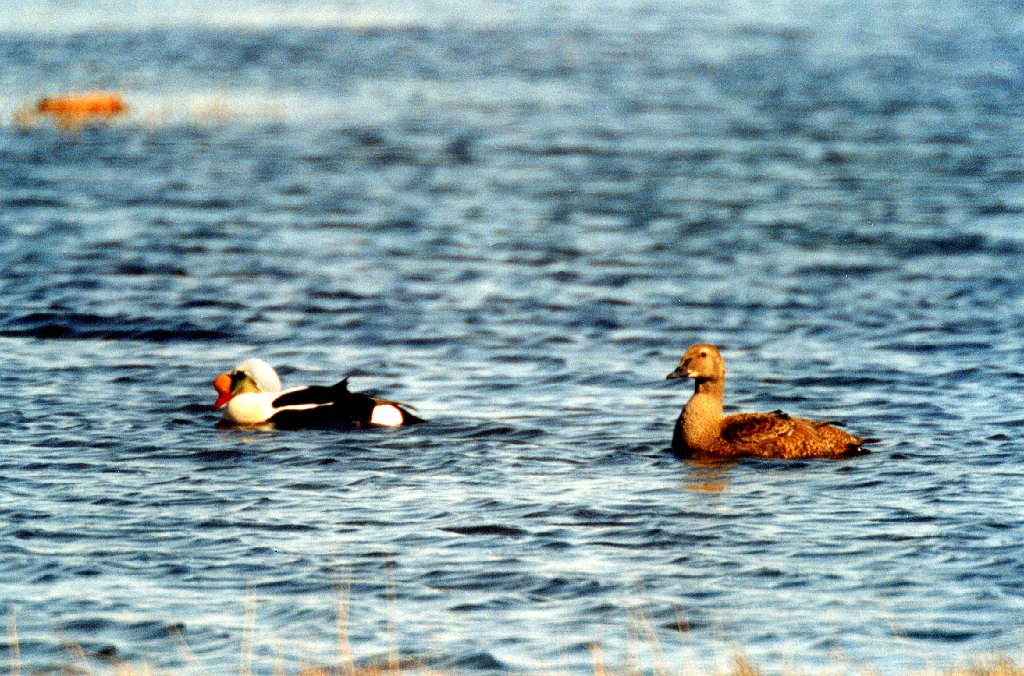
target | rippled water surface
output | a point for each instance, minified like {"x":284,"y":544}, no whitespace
{"x":515,"y":217}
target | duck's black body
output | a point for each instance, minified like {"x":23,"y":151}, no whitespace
{"x":251,"y":396}
{"x":333,"y":406}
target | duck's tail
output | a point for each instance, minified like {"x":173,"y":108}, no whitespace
{"x":857,"y":447}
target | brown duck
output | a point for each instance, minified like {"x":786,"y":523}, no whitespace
{"x":703,"y":430}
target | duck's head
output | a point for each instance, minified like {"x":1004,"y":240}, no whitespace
{"x":701,"y":362}
{"x":252,"y":375}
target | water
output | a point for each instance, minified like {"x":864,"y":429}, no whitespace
{"x":516,"y":218}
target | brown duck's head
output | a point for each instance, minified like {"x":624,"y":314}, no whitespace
{"x":701,"y":362}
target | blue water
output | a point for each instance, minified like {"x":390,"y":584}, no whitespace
{"x":516,"y":217}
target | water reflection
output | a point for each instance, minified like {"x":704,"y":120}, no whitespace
{"x":708,"y":475}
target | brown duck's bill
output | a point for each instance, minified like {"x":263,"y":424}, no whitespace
{"x":682,"y":373}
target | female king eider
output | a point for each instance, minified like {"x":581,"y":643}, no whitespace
{"x":251,"y":395}
{"x":703,"y":430}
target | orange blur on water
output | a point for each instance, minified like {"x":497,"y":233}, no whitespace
{"x":82,"y":107}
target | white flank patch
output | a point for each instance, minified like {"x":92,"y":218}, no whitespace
{"x":386,"y":414}
{"x":301,"y":407}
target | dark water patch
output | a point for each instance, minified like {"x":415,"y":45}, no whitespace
{"x":85,"y":326}
{"x":141,"y":269}
{"x":218,"y":455}
{"x":964,"y":244}
{"x":233,"y":524}
{"x":310,"y":486}
{"x":34,"y":203}
{"x":446,"y":580}
{"x":338,"y":295}
{"x":61,"y":466}
{"x":476,"y":662}
{"x":487,"y":529}
{"x":564,"y":588}
{"x":945,"y":635}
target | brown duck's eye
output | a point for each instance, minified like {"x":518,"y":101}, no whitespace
{"x":703,"y":353}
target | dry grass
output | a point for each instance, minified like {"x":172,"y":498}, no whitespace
{"x":641,"y":636}
{"x":12,"y":630}
{"x":744,"y":667}
{"x":990,"y":666}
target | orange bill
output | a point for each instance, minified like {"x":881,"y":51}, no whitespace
{"x":222,"y":384}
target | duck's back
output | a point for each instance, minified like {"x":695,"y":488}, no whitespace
{"x":774,"y":435}
{"x":777,"y":435}
{"x":337,"y":406}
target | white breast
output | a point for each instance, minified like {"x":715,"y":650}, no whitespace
{"x":250,"y":408}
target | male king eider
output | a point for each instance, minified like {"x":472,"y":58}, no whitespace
{"x":703,"y":430}
{"x":251,"y":395}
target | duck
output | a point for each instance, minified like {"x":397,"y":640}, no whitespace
{"x":703,"y":430}
{"x":251,"y":395}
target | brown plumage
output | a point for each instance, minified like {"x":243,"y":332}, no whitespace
{"x":702,"y":428}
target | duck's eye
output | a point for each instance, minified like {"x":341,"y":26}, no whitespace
{"x":703,"y":353}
